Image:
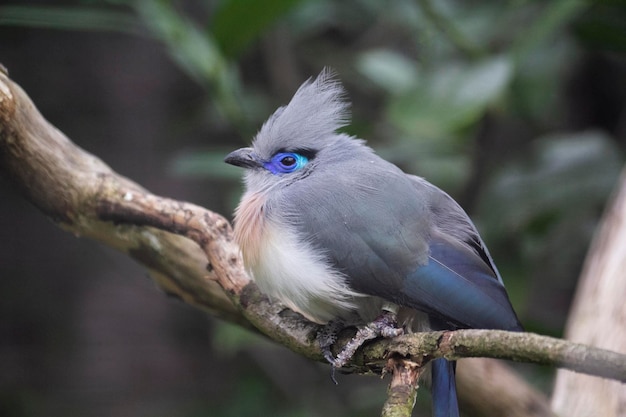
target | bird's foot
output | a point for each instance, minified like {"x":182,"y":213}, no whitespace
{"x":326,"y":338}
{"x":384,"y":325}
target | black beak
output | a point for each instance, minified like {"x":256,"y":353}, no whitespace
{"x":244,"y":158}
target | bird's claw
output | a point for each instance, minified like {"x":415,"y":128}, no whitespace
{"x":384,"y":325}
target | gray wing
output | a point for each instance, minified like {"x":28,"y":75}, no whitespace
{"x":460,"y":283}
{"x":452,"y":221}
{"x":400,"y":238}
{"x":372,"y":226}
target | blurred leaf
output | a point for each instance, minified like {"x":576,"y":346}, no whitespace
{"x":447,"y":25}
{"x":195,"y":51}
{"x":604,"y":26}
{"x":199,"y":55}
{"x":451,"y":98}
{"x":538,"y":85}
{"x":70,"y":18}
{"x":484,"y":82}
{"x":237,"y":22}
{"x":389,"y":70}
{"x":568,"y":172}
{"x":554,"y":16}
{"x":312,"y":16}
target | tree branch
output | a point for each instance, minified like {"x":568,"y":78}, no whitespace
{"x":402,"y":390}
{"x":191,"y":254}
{"x":499,"y":344}
{"x":66,"y":184}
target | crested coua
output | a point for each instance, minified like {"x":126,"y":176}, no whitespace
{"x":339,"y":234}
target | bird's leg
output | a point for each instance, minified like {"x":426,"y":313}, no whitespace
{"x":384,"y":325}
{"x":327,"y":336}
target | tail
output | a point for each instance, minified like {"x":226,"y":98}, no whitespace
{"x":444,"y":389}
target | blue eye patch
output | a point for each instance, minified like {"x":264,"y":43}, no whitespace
{"x":286,"y":162}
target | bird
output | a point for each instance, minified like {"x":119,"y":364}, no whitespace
{"x":342,"y":236}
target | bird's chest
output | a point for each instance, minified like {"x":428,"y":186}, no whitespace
{"x":286,"y":267}
{"x":250,"y":223}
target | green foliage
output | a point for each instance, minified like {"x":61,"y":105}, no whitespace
{"x":198,"y":54}
{"x":443,"y":101}
{"x":70,"y":18}
{"x":604,"y":27}
{"x":566,"y":173}
{"x":236,"y":23}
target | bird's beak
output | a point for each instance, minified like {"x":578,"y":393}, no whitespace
{"x":244,"y":158}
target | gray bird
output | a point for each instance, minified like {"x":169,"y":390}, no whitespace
{"x":340,"y":235}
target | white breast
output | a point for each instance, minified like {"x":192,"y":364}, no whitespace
{"x":293,"y":272}
{"x":288,"y":268}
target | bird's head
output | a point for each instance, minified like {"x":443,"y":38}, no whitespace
{"x":294,"y":140}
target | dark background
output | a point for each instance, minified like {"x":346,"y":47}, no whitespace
{"x":517,"y":109}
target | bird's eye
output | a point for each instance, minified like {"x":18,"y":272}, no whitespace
{"x":286,"y":162}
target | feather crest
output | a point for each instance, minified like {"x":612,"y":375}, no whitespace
{"x":314,"y":113}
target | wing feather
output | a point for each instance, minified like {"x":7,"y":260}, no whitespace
{"x":397,"y":237}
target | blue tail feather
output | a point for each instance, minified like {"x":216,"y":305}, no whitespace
{"x":444,"y":389}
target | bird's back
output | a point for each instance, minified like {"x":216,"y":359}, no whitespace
{"x":397,"y":237}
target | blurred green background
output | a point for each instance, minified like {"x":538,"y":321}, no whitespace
{"x":516,"y":108}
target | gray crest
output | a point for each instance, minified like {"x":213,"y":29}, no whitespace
{"x":315,"y":112}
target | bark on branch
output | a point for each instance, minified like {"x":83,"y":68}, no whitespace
{"x":190,"y":253}
{"x":66,"y":184}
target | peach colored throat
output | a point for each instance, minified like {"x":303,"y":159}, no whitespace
{"x":249,"y":227}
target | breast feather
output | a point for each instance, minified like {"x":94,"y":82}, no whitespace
{"x":287,"y":267}
{"x":249,"y":226}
